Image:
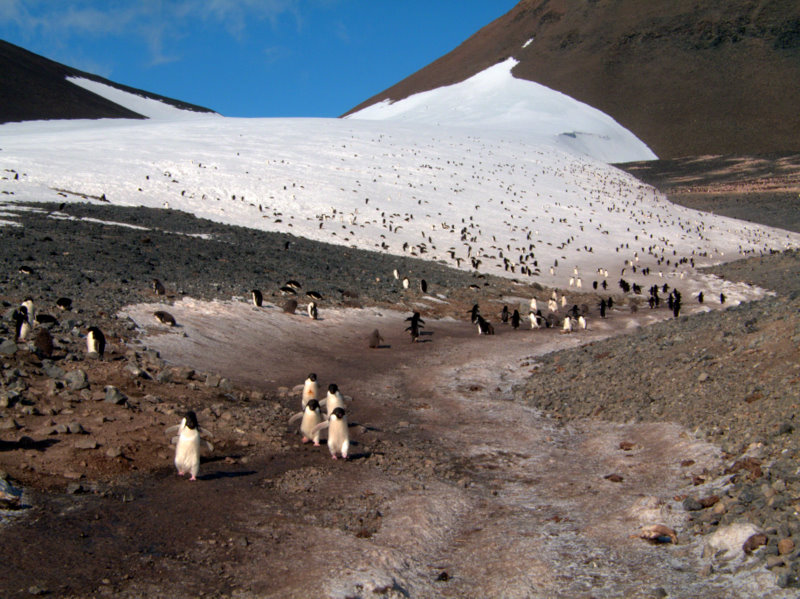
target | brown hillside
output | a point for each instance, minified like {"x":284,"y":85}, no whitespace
{"x":687,"y":78}
{"x":34,"y":88}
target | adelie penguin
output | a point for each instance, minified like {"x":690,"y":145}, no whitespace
{"x":338,"y":433}
{"x":158,"y":287}
{"x":334,"y":399}
{"x":95,"y":343}
{"x":258,"y":298}
{"x":310,"y":389}
{"x":164,"y":318}
{"x":515,"y":319}
{"x":423,"y":286}
{"x":188,"y":443}
{"x":504,"y":315}
{"x":313,"y":313}
{"x":22,"y":327}
{"x":375,"y":339}
{"x":64,"y":303}
{"x":311,"y":417}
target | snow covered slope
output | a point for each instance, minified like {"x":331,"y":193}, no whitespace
{"x":495,"y":100}
{"x":478,"y":196}
{"x":503,"y":205}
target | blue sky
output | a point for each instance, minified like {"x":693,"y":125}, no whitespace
{"x":249,"y":58}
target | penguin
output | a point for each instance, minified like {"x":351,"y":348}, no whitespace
{"x":64,"y":303}
{"x":286,"y":290}
{"x":413,"y":330}
{"x":22,"y":327}
{"x":314,"y":295}
{"x":484,"y":326}
{"x":30,"y":313}
{"x":534,"y":320}
{"x":338,"y":433}
{"x":25,"y":270}
{"x":396,"y":275}
{"x":515,"y":319}
{"x":405,"y":283}
{"x":474,"y":313}
{"x":700,"y":297}
{"x":504,"y":315}
{"x":722,"y":298}
{"x":293,"y":285}
{"x":375,"y":339}
{"x":158,"y":287}
{"x":333,"y":400}
{"x":311,"y":417}
{"x":45,"y":320}
{"x":164,"y":318}
{"x":423,"y":286}
{"x":188,"y":441}
{"x":258,"y":298}
{"x":290,"y":306}
{"x":567,"y":326}
{"x":310,"y":389}
{"x":582,"y":323}
{"x":95,"y":342}
{"x":43,"y":342}
{"x":313,"y":313}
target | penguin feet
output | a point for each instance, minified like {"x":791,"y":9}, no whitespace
{"x":181,"y":473}
{"x":306,"y":439}
{"x":316,"y":443}
{"x":193,"y":477}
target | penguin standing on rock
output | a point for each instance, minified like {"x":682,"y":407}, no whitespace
{"x":95,"y":343}
{"x":338,"y":433}
{"x":188,"y":442}
{"x":311,"y":417}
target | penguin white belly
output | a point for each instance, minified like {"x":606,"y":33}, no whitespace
{"x":338,"y":437}
{"x":310,"y":390}
{"x":310,"y":420}
{"x":187,"y":453}
{"x":334,"y":400}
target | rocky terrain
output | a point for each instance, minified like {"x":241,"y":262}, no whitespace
{"x":84,"y":438}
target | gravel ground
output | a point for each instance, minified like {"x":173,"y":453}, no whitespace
{"x":732,"y":376}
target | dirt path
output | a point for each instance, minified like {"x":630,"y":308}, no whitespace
{"x":453,"y":490}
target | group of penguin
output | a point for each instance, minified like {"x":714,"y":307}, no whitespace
{"x":574,"y":319}
{"x":312,"y":421}
{"x":26,"y":319}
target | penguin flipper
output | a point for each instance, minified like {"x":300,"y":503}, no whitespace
{"x":209,"y":445}
{"x":296,"y":416}
{"x":171,"y":429}
{"x":204,"y":432}
{"x":320,"y":426}
{"x":323,"y":401}
{"x":174,"y":440}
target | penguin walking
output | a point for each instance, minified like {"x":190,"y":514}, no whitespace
{"x":333,"y":400}
{"x":474,"y":313}
{"x":29,"y":310}
{"x":258,"y":298}
{"x":423,"y":286}
{"x":567,"y":326}
{"x":158,"y":287}
{"x":311,"y":417}
{"x":95,"y":343}
{"x":313,"y":313}
{"x":310,"y":389}
{"x":515,"y":319}
{"x":484,"y":326}
{"x":415,"y":325}
{"x":338,"y":433}
{"x":534,"y":320}
{"x":582,"y":324}
{"x":188,"y":443}
{"x":375,"y":339}
{"x":504,"y":315}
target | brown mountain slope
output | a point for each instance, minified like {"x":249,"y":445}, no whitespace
{"x":34,"y":88}
{"x":686,"y":77}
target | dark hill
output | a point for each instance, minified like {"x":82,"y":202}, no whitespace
{"x":35,"y":88}
{"x":686,"y":77}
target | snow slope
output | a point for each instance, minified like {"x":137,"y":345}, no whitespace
{"x":495,"y":100}
{"x":462,"y":196}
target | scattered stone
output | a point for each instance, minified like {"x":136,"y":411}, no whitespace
{"x":74,"y":488}
{"x":754,"y":542}
{"x":657,"y":533}
{"x":114,"y":395}
{"x":690,"y":504}
{"x":10,"y":496}
{"x":8,"y":347}
{"x":8,"y":424}
{"x":212,"y":380}
{"x":75,"y":428}
{"x":614,"y":478}
{"x":76,"y":380}
{"x":785,"y":546}
{"x":85,"y":443}
{"x":114,"y":452}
